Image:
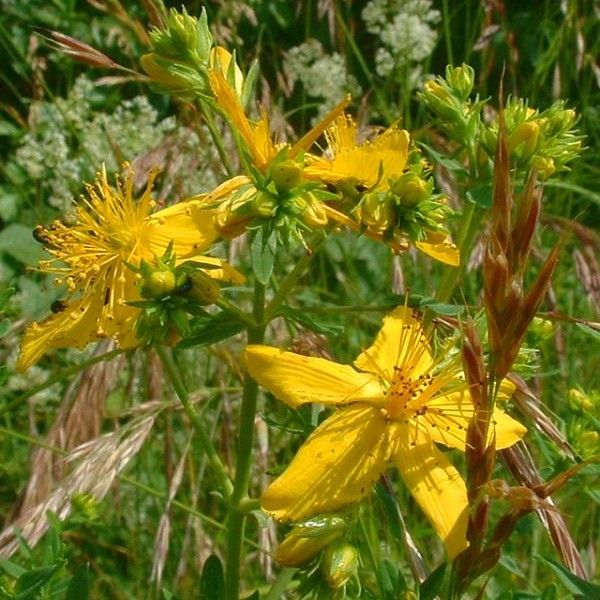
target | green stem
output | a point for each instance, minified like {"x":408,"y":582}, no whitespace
{"x":290,"y":280}
{"x":465,"y":237}
{"x":213,"y":457}
{"x":239,"y":497}
{"x":216,"y":137}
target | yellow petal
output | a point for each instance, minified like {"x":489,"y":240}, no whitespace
{"x":255,"y":135}
{"x":219,"y":269}
{"x":296,"y":379}
{"x":220,"y":59}
{"x":188,"y":225}
{"x":400,"y":342}
{"x":337,"y":466}
{"x":77,"y":326}
{"x":370,"y":163}
{"x":445,"y":251}
{"x":307,"y":140}
{"x":435,"y":484}
{"x":448,"y":417}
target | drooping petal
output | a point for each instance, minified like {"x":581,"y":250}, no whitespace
{"x":296,"y":379}
{"x":370,"y":163}
{"x":444,"y":251}
{"x":337,"y":466}
{"x":187,"y":225}
{"x":448,"y":417}
{"x":400,"y":342}
{"x":76,"y":325}
{"x":217,"y":268}
{"x":434,"y":483}
{"x":255,"y":135}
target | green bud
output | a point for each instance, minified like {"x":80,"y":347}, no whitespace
{"x":314,"y":215}
{"x":543,"y":328}
{"x":185,"y":38}
{"x":524,"y":139}
{"x":461,"y":80}
{"x":437,"y":95}
{"x":158,"y":283}
{"x":286,"y":175}
{"x":411,"y":189}
{"x":204,"y":289}
{"x":340,"y":564}
{"x":264,"y":204}
{"x":579,"y":401}
{"x":589,"y":443}
{"x":376,"y":212}
{"x":544,"y":166}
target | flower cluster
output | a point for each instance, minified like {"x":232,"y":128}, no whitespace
{"x":140,"y":272}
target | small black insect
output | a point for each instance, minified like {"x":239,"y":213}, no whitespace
{"x":58,"y":306}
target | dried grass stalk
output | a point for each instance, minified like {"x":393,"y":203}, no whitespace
{"x":100,"y":462}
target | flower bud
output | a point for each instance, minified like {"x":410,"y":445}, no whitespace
{"x":543,"y":328}
{"x":221,"y":61}
{"x":185,"y":38}
{"x":286,"y":175}
{"x":204,"y":289}
{"x":264,"y":204}
{"x":411,"y":189}
{"x":314,"y":215}
{"x":544,"y":166}
{"x":525,"y":138}
{"x":175,"y":78}
{"x":579,"y":401}
{"x":376,"y":212}
{"x":461,"y":80}
{"x":439,"y":99}
{"x":158,"y":283}
{"x":589,"y":443}
{"x":340,"y":564}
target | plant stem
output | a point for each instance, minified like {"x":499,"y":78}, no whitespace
{"x":213,"y":457}
{"x":237,"y":513}
{"x":290,"y":280}
{"x":465,"y":237}
{"x":216,"y":137}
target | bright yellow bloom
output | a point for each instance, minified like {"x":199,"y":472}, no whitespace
{"x":373,"y":165}
{"x":395,"y":404}
{"x":91,"y":251}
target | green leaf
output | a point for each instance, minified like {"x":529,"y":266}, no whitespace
{"x":11,"y":569}
{"x":431,"y":586}
{"x":310,"y":321}
{"x":79,"y":586}
{"x":210,"y":331}
{"x":212,"y":580}
{"x":572,"y":582}
{"x":448,"y":163}
{"x":17,"y":241}
{"x":446,"y":310}
{"x":589,"y":330}
{"x":31,"y":582}
{"x":263,"y":255}
{"x":481,"y":195}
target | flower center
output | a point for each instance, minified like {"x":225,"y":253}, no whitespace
{"x":405,"y":395}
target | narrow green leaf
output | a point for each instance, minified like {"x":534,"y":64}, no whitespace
{"x":212,"y":580}
{"x":310,"y":321}
{"x":79,"y":586}
{"x":431,"y":586}
{"x":210,"y":331}
{"x":481,"y":195}
{"x":31,"y":582}
{"x":573,"y":583}
{"x":11,"y":569}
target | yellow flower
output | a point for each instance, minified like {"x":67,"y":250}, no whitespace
{"x":375,"y":165}
{"x":256,"y":135}
{"x":108,"y":231}
{"x":395,"y":404}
